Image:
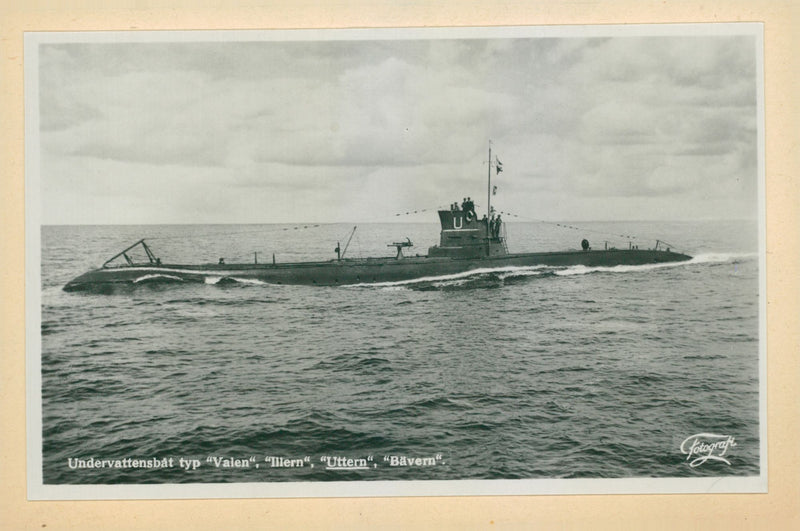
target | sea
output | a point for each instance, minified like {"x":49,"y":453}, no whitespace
{"x":514,"y":373}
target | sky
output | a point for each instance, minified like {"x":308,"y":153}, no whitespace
{"x":587,"y":128}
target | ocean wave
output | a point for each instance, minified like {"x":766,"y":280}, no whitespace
{"x":157,"y":277}
{"x":455,"y":279}
{"x":721,"y":257}
{"x":707,"y":258}
{"x":511,"y":273}
{"x":214,"y":280}
{"x":253,"y":281}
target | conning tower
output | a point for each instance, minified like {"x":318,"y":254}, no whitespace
{"x":464,"y":236}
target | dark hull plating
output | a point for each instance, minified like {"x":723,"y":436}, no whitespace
{"x":348,"y":272}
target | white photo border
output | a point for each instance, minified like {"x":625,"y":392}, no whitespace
{"x":37,"y":490}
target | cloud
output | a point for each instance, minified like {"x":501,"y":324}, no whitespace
{"x":393,"y":122}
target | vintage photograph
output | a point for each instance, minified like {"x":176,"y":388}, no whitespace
{"x":409,"y":262}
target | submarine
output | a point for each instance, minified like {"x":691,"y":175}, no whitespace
{"x":466,"y":244}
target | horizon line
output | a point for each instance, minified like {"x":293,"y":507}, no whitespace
{"x":510,"y":220}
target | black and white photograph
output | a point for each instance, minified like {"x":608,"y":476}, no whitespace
{"x":395,"y":262}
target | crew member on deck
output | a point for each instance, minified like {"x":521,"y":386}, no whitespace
{"x":498,"y":222}
{"x":469,"y":209}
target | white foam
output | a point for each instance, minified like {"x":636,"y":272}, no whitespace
{"x":700,"y":259}
{"x":151,"y":277}
{"x":720,"y":257}
{"x":529,"y":272}
{"x":249,"y":281}
{"x":508,"y":270}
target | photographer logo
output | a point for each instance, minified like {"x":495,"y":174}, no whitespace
{"x":704,"y":447}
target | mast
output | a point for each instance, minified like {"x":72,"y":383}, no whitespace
{"x":489,"y":186}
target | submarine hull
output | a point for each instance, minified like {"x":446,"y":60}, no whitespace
{"x":356,"y":271}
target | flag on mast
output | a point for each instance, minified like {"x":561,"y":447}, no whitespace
{"x":494,"y":190}
{"x":498,"y":164}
